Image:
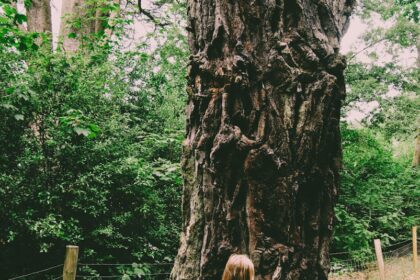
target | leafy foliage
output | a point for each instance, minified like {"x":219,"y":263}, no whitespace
{"x":10,"y":34}
{"x":90,"y":148}
{"x":379,"y":191}
{"x":379,"y":196}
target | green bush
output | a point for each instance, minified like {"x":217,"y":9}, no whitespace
{"x":89,"y":157}
{"x":378,"y":196}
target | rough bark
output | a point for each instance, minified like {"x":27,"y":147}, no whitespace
{"x":263,"y":149}
{"x":39,"y":16}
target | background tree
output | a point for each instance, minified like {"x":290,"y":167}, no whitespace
{"x":372,"y":81}
{"x":39,"y":16}
{"x":84,"y":20}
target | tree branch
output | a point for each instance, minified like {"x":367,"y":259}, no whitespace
{"x":150,"y":16}
{"x":367,"y":47}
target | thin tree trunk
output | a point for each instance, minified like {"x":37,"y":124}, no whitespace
{"x":111,"y":20}
{"x":93,"y":21}
{"x":39,"y":16}
{"x":263,"y":149}
{"x":416,"y":156}
{"x":70,"y":9}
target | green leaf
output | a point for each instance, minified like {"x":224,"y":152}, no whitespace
{"x":19,"y":18}
{"x":81,"y":131}
{"x":8,"y":106}
{"x":27,"y":3}
{"x":92,"y":135}
{"x":9,"y":10}
{"x":19,"y":117}
{"x":3,"y":21}
{"x":94,"y":128}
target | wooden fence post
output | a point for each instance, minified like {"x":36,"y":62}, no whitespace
{"x":414,"y":230}
{"x":379,"y":258}
{"x":70,"y":262}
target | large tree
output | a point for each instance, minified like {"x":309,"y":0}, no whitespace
{"x":262,"y":152}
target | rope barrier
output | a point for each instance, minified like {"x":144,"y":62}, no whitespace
{"x":400,"y":252}
{"x":339,"y":253}
{"x":36,"y":272}
{"x":383,"y":248}
{"x":122,"y":264}
{"x":117,"y":276}
{"x":399,"y":243}
{"x":106,"y":276}
{"x":338,"y":265}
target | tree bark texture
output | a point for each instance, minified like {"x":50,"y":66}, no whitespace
{"x":262,"y":152}
{"x":39,"y":16}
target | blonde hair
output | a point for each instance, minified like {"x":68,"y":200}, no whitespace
{"x":239,"y":267}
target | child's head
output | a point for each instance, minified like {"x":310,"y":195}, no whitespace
{"x":239,"y":267}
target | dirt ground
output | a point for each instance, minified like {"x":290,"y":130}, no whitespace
{"x":364,"y":276}
{"x":395,"y":269}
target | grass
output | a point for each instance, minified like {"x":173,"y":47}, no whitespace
{"x":395,"y":269}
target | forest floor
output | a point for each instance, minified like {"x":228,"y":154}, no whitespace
{"x":395,"y":269}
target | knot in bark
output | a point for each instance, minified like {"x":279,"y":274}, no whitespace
{"x":336,"y":63}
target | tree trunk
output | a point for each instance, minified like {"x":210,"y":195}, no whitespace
{"x":92,"y":21}
{"x":416,"y":156}
{"x":262,"y":152}
{"x":39,"y":16}
{"x":111,"y":20}
{"x":70,"y":9}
